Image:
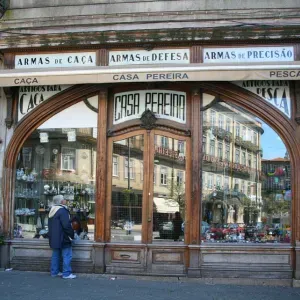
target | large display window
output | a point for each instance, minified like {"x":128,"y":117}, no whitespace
{"x":246,"y":178}
{"x":58,"y":160}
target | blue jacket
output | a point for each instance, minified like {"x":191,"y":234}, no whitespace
{"x":59,"y":227}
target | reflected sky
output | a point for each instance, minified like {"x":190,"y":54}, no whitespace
{"x":271,"y":143}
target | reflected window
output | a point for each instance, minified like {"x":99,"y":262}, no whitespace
{"x":163,"y":175}
{"x":115,"y":165}
{"x":131,"y":168}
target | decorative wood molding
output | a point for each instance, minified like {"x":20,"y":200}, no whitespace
{"x":297,"y":102}
{"x":23,"y":130}
{"x":101,"y":171}
{"x":9,"y":93}
{"x":148,"y":120}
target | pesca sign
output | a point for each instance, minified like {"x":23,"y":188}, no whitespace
{"x":31,"y":96}
{"x":275,"y":92}
{"x":165,"y":104}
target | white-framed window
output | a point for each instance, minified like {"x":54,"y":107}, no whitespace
{"x":254,"y":138}
{"x":205,"y":116}
{"x":244,"y":133}
{"x":212,"y":118}
{"x":220,"y":150}
{"x":221,"y":121}
{"x":236,"y":184}
{"x":226,"y":183}
{"x":228,"y":124}
{"x":181,"y":147}
{"x":249,"y":135}
{"x":227,"y":151}
{"x":219,"y":182}
{"x":204,"y":144}
{"x":115,"y":166}
{"x":68,"y":158}
{"x":212,"y":148}
{"x":180,"y":175}
{"x":142,"y":171}
{"x":237,"y":129}
{"x":243,"y":187}
{"x":210,"y":181}
{"x":164,"y":141}
{"x":154,"y":174}
{"x":131,"y":168}
{"x":204,"y":180}
{"x":249,"y":160}
{"x":244,"y":158}
{"x":163,"y":175}
{"x":237,"y":155}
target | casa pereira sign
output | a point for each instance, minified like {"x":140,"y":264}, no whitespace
{"x":153,"y":57}
{"x":55,"y":60}
{"x":165,"y":104}
{"x":32,"y":96}
{"x":248,"y":54}
{"x":275,"y":92}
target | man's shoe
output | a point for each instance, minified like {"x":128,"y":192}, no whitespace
{"x":71,"y":276}
{"x":59,"y":274}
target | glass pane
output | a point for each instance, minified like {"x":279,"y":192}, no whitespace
{"x":169,"y":189}
{"x":127,"y":189}
{"x":246,"y":193}
{"x":58,"y":163}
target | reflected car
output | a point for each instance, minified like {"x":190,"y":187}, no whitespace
{"x":166,"y":230}
{"x":205,"y":227}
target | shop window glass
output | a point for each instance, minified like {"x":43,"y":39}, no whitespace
{"x":169,"y":195}
{"x":127,"y":191}
{"x":58,"y":161}
{"x":254,"y":204}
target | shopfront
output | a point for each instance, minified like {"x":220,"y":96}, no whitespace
{"x":176,"y":161}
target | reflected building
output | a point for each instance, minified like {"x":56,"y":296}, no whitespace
{"x":231,"y":170}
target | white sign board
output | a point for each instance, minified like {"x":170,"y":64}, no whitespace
{"x":143,"y":57}
{"x":31,"y":96}
{"x":253,"y":54}
{"x":165,"y":104}
{"x":274,"y":92}
{"x":55,"y":60}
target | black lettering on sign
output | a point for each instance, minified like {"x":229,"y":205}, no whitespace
{"x":25,"y":81}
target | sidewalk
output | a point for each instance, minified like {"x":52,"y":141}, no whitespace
{"x":40,"y":286}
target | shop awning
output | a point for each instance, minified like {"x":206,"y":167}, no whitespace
{"x":142,"y":73}
{"x":162,"y":205}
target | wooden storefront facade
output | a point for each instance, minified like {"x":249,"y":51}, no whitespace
{"x":279,"y":262}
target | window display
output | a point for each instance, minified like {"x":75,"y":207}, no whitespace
{"x":58,"y":160}
{"x":246,"y":193}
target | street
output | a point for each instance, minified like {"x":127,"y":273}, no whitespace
{"x":40,"y":286}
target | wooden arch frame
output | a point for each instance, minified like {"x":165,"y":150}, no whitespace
{"x":287,"y":129}
{"x":23,"y":130}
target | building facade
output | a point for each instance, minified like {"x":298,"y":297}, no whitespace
{"x":135,"y":112}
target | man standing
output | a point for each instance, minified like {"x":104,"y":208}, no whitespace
{"x":61,"y":234}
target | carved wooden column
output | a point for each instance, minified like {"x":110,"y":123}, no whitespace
{"x":101,"y":174}
{"x":195,"y":224}
{"x":296,"y":180}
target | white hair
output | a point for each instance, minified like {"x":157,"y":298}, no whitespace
{"x":58,"y":199}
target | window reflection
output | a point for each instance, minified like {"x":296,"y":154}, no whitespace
{"x":58,"y":160}
{"x":246,"y":193}
{"x":169,"y":192}
{"x":127,"y":190}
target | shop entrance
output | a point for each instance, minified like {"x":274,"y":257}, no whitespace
{"x":148,"y":187}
